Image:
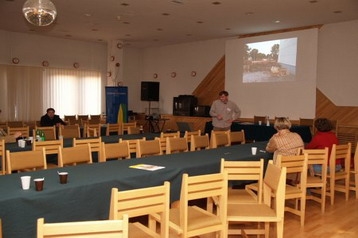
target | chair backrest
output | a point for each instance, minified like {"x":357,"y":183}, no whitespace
{"x":2,"y":155}
{"x":133,"y":130}
{"x":176,"y":144}
{"x":148,"y":148}
{"x":187,"y":135}
{"x":70,"y":131}
{"x":82,"y":117}
{"x":219,"y":139}
{"x":114,"y":129}
{"x":74,"y":155}
{"x":184,"y":126}
{"x":201,"y":187}
{"x":133,"y":144}
{"x":318,"y":156}
{"x":118,"y":150}
{"x":245,"y":171}
{"x":295,"y":164}
{"x":163,"y":143}
{"x":15,"y":123}
{"x":143,"y":201}
{"x":125,"y":126}
{"x":92,"y":130}
{"x":95,"y":144}
{"x":307,"y":122}
{"x":50,"y":131}
{"x":24,"y":130}
{"x":17,"y":161}
{"x":70,"y":119}
{"x":237,"y":137}
{"x":102,"y":228}
{"x":274,"y":185}
{"x":199,"y":142}
{"x":342,"y":153}
{"x":169,"y":134}
{"x":259,"y":118}
{"x":51,"y":146}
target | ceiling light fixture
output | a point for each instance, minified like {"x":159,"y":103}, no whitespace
{"x":39,"y":12}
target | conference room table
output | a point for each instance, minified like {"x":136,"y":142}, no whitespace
{"x":86,"y":196}
{"x":256,"y":132}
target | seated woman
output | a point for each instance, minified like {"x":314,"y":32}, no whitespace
{"x":9,"y":138}
{"x":324,"y":137}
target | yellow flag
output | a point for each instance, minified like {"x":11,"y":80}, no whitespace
{"x":120,"y":114}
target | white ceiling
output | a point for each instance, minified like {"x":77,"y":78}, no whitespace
{"x":146,"y":23}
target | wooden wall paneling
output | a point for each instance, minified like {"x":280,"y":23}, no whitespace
{"x":208,"y":90}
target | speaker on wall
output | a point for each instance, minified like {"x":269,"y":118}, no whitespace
{"x":149,"y":91}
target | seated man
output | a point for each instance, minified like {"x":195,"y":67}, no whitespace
{"x":50,"y":119}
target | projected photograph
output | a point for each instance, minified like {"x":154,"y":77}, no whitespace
{"x":270,"y":61}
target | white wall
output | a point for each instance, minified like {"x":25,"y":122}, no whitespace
{"x":337,"y":70}
{"x":141,"y":65}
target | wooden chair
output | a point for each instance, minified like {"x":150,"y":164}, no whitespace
{"x":176,"y":144}
{"x":15,"y":124}
{"x":187,"y":135}
{"x":25,"y":131}
{"x":190,"y":220}
{"x":259,"y":118}
{"x":51,"y":146}
{"x":70,"y":131}
{"x":25,"y":160}
{"x":92,"y":130}
{"x":307,"y":122}
{"x":133,"y":145}
{"x":148,"y":148}
{"x":219,"y":139}
{"x":82,"y":117}
{"x":101,"y":228}
{"x":342,"y":153}
{"x":354,"y":173}
{"x":244,"y":171}
{"x":143,"y":202}
{"x":133,"y":130}
{"x":199,"y":142}
{"x":169,"y":134}
{"x":163,"y":143}
{"x":118,"y":150}
{"x":114,"y":129}
{"x":2,"y":155}
{"x":270,"y":210}
{"x":237,"y":137}
{"x":70,"y":119}
{"x":125,"y":126}
{"x":50,"y":131}
{"x":316,"y":182}
{"x":74,"y":155}
{"x":95,"y":119}
{"x":95,"y":144}
{"x":295,"y":164}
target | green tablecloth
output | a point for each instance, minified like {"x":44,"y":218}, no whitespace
{"x":87,"y":195}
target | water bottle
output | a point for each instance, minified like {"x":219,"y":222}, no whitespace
{"x":267,"y":121}
{"x":141,"y":129}
{"x":42,"y":134}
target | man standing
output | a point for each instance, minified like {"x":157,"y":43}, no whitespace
{"x":50,"y":119}
{"x":223,"y":112}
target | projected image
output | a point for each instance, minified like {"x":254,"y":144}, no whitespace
{"x":270,"y":61}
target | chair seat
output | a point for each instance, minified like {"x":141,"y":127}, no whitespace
{"x":138,"y":230}
{"x":199,"y":218}
{"x":293,"y":192}
{"x":237,"y":196}
{"x":251,"y":213}
{"x":314,"y":181}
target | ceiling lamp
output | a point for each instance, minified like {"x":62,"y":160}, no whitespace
{"x":39,"y":12}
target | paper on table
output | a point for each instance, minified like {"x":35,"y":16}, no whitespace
{"x":146,"y":167}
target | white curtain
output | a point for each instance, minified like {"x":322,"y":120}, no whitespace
{"x":26,"y":92}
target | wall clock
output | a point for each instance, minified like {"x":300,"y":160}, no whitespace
{"x":15,"y":60}
{"x":45,"y":63}
{"x":76,"y":65}
{"x":173,"y":74}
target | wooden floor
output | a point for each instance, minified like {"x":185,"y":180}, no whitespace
{"x":339,"y":220}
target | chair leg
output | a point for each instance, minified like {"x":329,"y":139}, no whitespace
{"x":356,"y":183}
{"x":331,"y":184}
{"x":303,"y":210}
{"x":279,"y":229}
{"x":347,"y":186}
